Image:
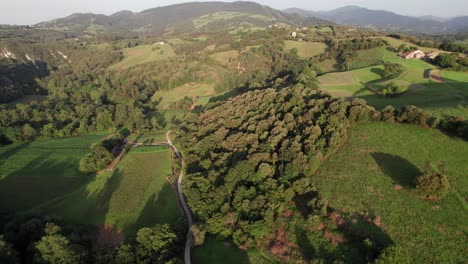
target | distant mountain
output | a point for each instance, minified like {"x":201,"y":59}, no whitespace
{"x":201,"y":16}
{"x":432,"y":18}
{"x":380,"y":19}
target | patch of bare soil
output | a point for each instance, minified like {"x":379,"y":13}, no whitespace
{"x":109,"y":236}
{"x":133,"y":52}
{"x":435,"y":76}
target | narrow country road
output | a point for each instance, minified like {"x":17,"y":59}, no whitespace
{"x":188,"y":242}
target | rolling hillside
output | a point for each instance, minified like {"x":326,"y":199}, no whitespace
{"x":179,"y":18}
{"x":380,"y":19}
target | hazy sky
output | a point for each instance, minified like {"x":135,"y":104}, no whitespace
{"x":33,"y":11}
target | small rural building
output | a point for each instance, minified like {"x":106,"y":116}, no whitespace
{"x":415,"y":54}
{"x":431,"y":55}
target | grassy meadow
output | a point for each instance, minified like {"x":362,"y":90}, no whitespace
{"x":43,"y":177}
{"x":35,"y":172}
{"x":375,"y":172}
{"x":135,"y":195}
{"x":144,"y":54}
{"x":305,"y":49}
{"x":440,"y":98}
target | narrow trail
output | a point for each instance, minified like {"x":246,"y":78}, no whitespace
{"x":180,"y":193}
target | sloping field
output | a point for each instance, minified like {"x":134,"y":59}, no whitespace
{"x":35,"y":172}
{"x":144,"y":54}
{"x":305,"y":49}
{"x":135,"y":195}
{"x":379,"y":165}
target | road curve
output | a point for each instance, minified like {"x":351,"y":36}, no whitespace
{"x":188,"y":243}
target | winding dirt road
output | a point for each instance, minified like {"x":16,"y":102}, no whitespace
{"x":180,"y":193}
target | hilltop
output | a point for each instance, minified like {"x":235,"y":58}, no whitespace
{"x":186,"y":17}
{"x":385,"y":20}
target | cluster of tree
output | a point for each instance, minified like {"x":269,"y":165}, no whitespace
{"x":453,"y":125}
{"x":103,"y":153}
{"x":392,"y":69}
{"x":432,"y":43}
{"x":261,"y":66}
{"x":248,"y":158}
{"x":451,"y":61}
{"x":49,"y":240}
{"x":394,"y":89}
{"x":405,"y":48}
{"x":345,"y":50}
{"x":432,"y":184}
{"x":80,"y":103}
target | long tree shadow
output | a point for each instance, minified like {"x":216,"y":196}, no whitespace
{"x":159,"y":209}
{"x":401,"y":170}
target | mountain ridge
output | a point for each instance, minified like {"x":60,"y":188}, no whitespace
{"x":386,"y":20}
{"x":160,"y":19}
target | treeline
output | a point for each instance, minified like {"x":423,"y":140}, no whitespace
{"x":104,"y":152}
{"x":437,"y":44}
{"x":50,"y":240}
{"x":82,"y":103}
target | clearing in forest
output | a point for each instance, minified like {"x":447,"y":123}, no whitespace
{"x":144,"y":54}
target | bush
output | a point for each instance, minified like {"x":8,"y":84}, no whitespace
{"x":394,"y":254}
{"x":394,"y":89}
{"x":432,"y":185}
{"x":392,"y":69}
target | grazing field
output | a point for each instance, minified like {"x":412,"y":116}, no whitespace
{"x":144,"y":54}
{"x":191,"y":90}
{"x":135,"y":195}
{"x":440,"y":98}
{"x":375,"y":173}
{"x":225,"y":57}
{"x":224,"y":16}
{"x":35,"y":172}
{"x":305,"y":49}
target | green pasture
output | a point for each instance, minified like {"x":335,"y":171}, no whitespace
{"x":136,"y":194}
{"x":33,"y":173}
{"x":375,"y":172}
{"x":305,"y":49}
{"x":144,"y":54}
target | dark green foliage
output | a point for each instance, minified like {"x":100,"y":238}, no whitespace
{"x":394,"y":89}
{"x":432,"y":185}
{"x":392,"y":69}
{"x":247,"y":158}
{"x":103,"y":153}
{"x":156,"y":245}
{"x":56,"y":248}
{"x":345,"y":50}
{"x":446,"y":60}
{"x":7,"y":253}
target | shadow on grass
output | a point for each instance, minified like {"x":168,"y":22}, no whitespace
{"x":401,"y":170}
{"x":377,"y":71}
{"x":159,"y":209}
